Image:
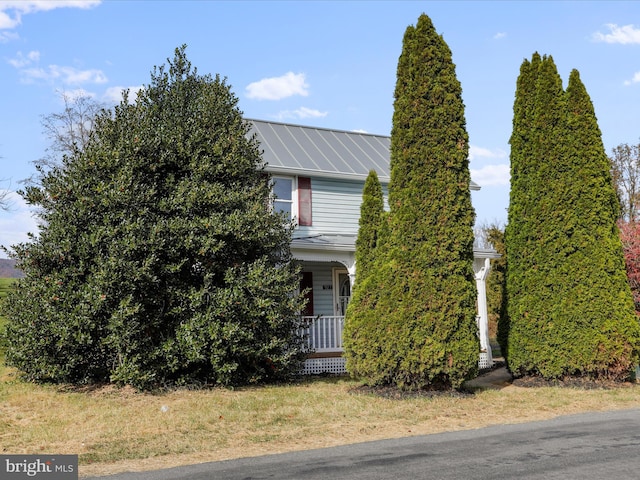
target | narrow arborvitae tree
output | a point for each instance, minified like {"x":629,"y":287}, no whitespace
{"x":371,"y":215}
{"x":420,"y":330}
{"x":370,"y":235}
{"x":522,"y":196}
{"x":575,"y":316}
{"x":538,"y":85}
{"x":158,"y":261}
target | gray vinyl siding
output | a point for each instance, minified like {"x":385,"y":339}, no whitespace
{"x":335,"y":206}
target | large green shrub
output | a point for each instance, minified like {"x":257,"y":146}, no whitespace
{"x":418,"y":328}
{"x":570,"y":307}
{"x":157,"y":260}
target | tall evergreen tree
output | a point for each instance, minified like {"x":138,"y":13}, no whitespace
{"x":522,"y":194}
{"x":371,"y":216}
{"x":420,"y":330}
{"x":571,"y":310}
{"x":157,"y":260}
{"x":535,"y":149}
{"x":370,"y":237}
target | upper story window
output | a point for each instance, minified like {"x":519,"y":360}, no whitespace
{"x":284,"y":191}
{"x":293,"y":197}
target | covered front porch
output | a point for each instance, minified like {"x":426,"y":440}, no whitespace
{"x":328,"y":273}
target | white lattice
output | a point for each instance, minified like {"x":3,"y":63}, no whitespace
{"x":318,"y":366}
{"x":484,"y":361}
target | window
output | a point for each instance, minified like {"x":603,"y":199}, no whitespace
{"x":293,"y":197}
{"x":304,"y":201}
{"x":283,"y":190}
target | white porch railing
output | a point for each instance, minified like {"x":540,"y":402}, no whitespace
{"x":323,"y":333}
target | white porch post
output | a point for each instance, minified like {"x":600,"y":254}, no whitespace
{"x":351,"y":268}
{"x":483,"y":317}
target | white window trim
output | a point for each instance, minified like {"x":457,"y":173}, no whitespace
{"x":294,"y":195}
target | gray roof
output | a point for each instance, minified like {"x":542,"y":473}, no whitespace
{"x":297,"y":149}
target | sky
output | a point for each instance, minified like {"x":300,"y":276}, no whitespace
{"x":328,"y":64}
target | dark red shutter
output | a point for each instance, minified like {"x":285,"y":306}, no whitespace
{"x":306,"y":283}
{"x":304,"y":201}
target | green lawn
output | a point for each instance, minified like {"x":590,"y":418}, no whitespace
{"x":5,"y":285}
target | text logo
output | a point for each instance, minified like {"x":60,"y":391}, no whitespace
{"x":45,"y":467}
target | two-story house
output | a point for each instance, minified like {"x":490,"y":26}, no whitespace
{"x":319,"y":176}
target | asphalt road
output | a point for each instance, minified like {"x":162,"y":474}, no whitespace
{"x":586,"y":447}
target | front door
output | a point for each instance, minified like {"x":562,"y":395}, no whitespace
{"x":341,"y":291}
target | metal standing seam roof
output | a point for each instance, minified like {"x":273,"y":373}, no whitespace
{"x":296,"y":149}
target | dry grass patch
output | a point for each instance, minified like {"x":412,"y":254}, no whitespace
{"x":119,"y":429}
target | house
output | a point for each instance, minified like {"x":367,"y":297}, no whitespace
{"x":319,"y":176}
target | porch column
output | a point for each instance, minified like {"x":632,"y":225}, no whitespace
{"x":483,"y":316}
{"x":350,"y":265}
{"x":352,"y":274}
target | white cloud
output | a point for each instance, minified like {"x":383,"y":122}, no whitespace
{"x":65,"y":75}
{"x":11,"y":11}
{"x":113,"y":95}
{"x":6,"y":36}
{"x":75,"y":94}
{"x":480,"y":152}
{"x":635,"y":79}
{"x":6,"y":22}
{"x":625,"y":34}
{"x":359,"y":130}
{"x":16,"y":222}
{"x":277,"y":88}
{"x":302,"y":112}
{"x":491,"y":175}
{"x":499,"y":35}
{"x":73,"y":76}
{"x":31,"y":71}
{"x":22,"y":60}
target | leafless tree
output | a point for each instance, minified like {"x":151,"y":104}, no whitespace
{"x":68,"y":131}
{"x":485,"y":232}
{"x":625,"y":171}
{"x":5,"y":203}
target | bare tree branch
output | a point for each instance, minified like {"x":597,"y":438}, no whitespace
{"x":68,"y":131}
{"x":625,"y":172}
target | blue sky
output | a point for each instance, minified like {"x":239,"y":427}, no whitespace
{"x":322,"y":63}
